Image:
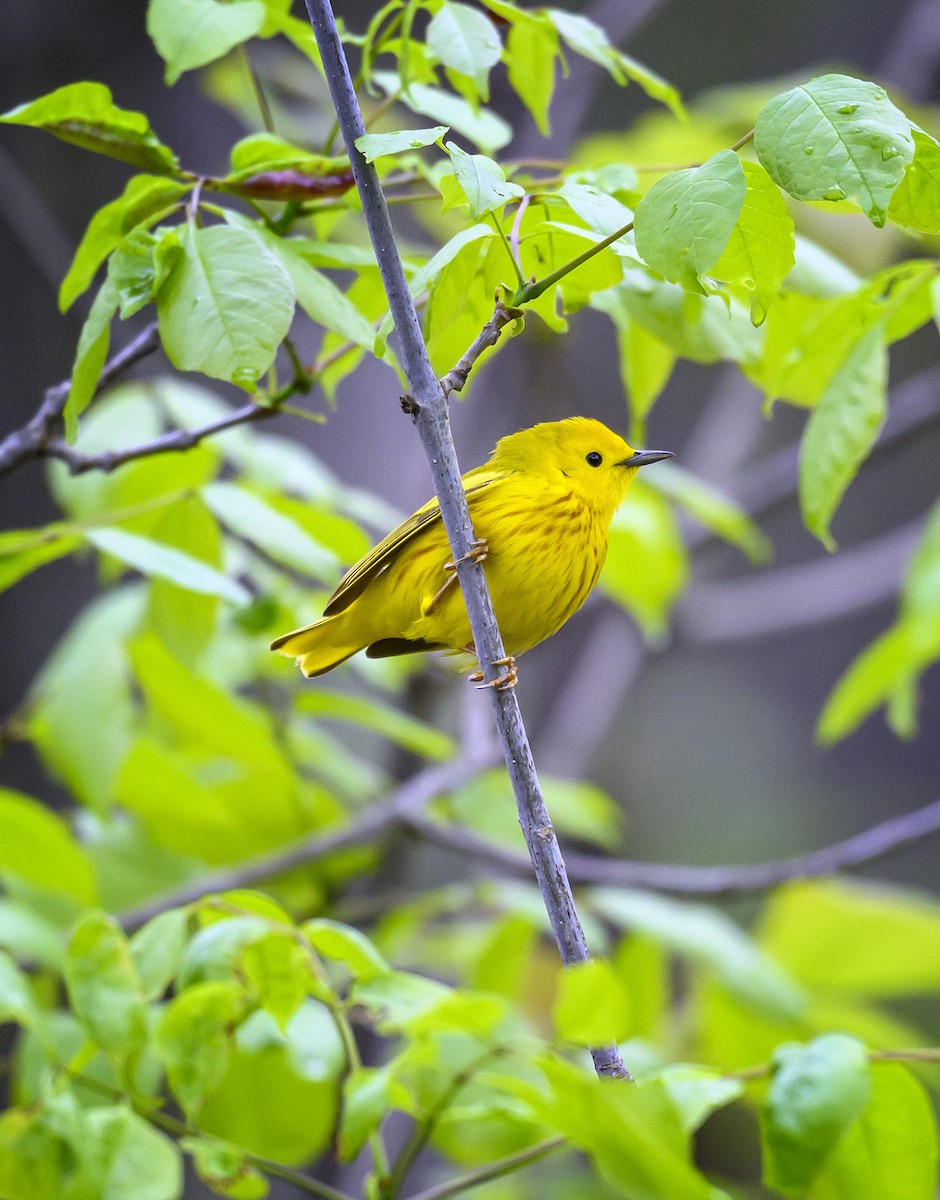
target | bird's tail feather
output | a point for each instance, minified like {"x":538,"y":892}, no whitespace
{"x":320,"y":647}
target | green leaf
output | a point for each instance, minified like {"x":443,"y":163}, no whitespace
{"x":90,"y":355}
{"x":892,"y":660}
{"x":157,"y":950}
{"x":817,"y":1091}
{"x":191,"y":33}
{"x":890,"y":1152}
{"x":430,"y":271}
{"x":697,"y":1092}
{"x":38,"y":847}
{"x":591,"y":1007}
{"x":685,"y":220}
{"x":709,"y":938}
{"x":81,"y":708}
{"x":216,"y":951}
{"x":399,"y":727}
{"x":761,"y":251}
{"x":86,"y":115}
{"x":482,"y":181}
{"x":24,"y":550}
{"x":17,"y":1002}
{"x":653,"y":84}
{"x":193,"y":1038}
{"x":531,"y":52}
{"x":646,"y":364}
{"x":835,"y":138}
{"x":279,"y":1094}
{"x":915,"y":203}
{"x":227,"y":304}
{"x":646,"y":567}
{"x":465,"y":41}
{"x":841,"y":431}
{"x":632,"y":1134}
{"x":103,"y":985}
{"x":366,"y":1100}
{"x":713,"y":510}
{"x":279,"y":969}
{"x":144,"y":199}
{"x":141,"y":1162}
{"x":483,"y":127}
{"x":279,"y":537}
{"x":225,"y":1169}
{"x":184,"y":620}
{"x":346,"y":945}
{"x":374,"y":145}
{"x":856,"y":938}
{"x":317,"y":294}
{"x":587,"y":38}
{"x":163,"y":562}
{"x":259,"y":152}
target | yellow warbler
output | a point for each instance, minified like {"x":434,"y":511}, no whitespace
{"x":541,"y":509}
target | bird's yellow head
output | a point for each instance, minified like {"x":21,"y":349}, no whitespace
{"x":597,"y":462}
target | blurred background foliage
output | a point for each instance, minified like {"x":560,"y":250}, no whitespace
{"x":686,"y":712}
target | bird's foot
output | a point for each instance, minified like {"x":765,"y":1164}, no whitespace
{"x":477,"y":552}
{"x":502,"y":683}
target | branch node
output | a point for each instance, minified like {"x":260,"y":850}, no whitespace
{"x":410,"y":406}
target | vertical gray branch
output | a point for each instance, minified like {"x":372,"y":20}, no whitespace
{"x":433,"y":422}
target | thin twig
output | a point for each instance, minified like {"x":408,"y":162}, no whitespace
{"x":489,"y":335}
{"x":175,"y":441}
{"x":424,"y":1128}
{"x":33,"y":440}
{"x":370,"y":825}
{"x":493,"y":1170}
{"x":863,"y":847}
{"x":433,"y":423}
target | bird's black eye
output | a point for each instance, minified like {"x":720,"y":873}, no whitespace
{"x":593,"y":458}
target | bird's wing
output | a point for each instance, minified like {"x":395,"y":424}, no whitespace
{"x":357,"y":578}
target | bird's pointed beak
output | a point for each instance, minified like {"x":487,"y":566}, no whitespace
{"x":643,"y":458}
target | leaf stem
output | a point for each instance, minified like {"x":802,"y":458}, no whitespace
{"x":264,"y":108}
{"x":743,"y":141}
{"x":534,"y":289}
{"x":423,"y":1130}
{"x":520,"y":278}
{"x":494,"y":1170}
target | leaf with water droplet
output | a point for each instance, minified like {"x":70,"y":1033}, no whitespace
{"x":226,"y":305}
{"x":683,"y":223}
{"x":803,"y":142}
{"x":759,"y":254}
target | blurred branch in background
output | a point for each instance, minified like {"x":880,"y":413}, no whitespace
{"x":797,"y":597}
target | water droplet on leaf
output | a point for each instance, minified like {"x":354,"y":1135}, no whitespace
{"x":890,"y":152}
{"x":834,"y":193}
{"x":807,"y":149}
{"x":245,"y":377}
{"x":847,"y":109}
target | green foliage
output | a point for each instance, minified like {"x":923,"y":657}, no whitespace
{"x":836,"y":138}
{"x":185,"y":747}
{"x":817,"y":1091}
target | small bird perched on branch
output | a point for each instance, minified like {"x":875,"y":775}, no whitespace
{"x":541,"y":510}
